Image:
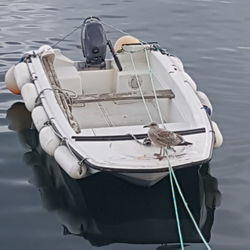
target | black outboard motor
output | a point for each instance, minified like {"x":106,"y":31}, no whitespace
{"x":94,"y":42}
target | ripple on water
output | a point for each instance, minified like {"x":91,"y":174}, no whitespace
{"x":73,"y":18}
{"x":113,"y":16}
{"x":14,"y":182}
{"x":26,"y":10}
{"x":18,"y":17}
{"x":51,"y":9}
{"x":10,"y":59}
{"x":4,"y":57}
{"x":13,"y":43}
{"x":30,"y":26}
{"x":7,"y":96}
{"x":47,"y":41}
{"x":226,"y":49}
{"x":4,"y":129}
{"x":108,"y":4}
{"x":243,"y":47}
{"x":40,"y":15}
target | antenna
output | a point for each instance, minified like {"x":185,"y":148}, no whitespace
{"x":117,"y":61}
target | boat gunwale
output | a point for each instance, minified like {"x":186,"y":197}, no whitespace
{"x":144,"y":169}
{"x":132,"y":136}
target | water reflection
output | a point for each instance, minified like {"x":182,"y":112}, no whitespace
{"x":104,"y":209}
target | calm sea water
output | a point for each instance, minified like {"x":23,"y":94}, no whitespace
{"x":41,"y":208}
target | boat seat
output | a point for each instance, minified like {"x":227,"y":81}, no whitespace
{"x":166,"y":93}
{"x":67,"y":74}
{"x":97,"y":81}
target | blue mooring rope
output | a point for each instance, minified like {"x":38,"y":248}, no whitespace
{"x":171,"y":177}
{"x":176,"y":209}
{"x":171,"y":172}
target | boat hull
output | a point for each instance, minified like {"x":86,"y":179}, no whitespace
{"x":142,"y":179}
{"x":101,"y":127}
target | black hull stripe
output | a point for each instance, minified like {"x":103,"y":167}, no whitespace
{"x":129,"y":137}
{"x":144,"y":170}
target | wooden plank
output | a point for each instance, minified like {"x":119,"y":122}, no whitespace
{"x":166,"y":93}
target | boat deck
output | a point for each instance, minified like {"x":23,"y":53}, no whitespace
{"x":116,"y":113}
{"x":114,"y":149}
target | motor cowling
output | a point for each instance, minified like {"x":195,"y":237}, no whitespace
{"x":94,"y":41}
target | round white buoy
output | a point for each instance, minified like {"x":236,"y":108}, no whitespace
{"x":48,"y":140}
{"x":39,"y":117}
{"x":217,"y":135}
{"x":205,"y":101}
{"x":190,"y":81}
{"x":22,"y":74}
{"x":29,"y":94}
{"x":124,"y":40}
{"x":10,"y":81}
{"x":177,"y":62}
{"x":69,"y":163}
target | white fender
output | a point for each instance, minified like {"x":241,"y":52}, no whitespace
{"x":69,"y":163}
{"x":177,"y":62}
{"x":217,"y":135}
{"x":204,"y":100}
{"x":10,"y":81}
{"x":44,"y":48}
{"x":29,"y":94}
{"x":48,"y":140}
{"x":22,"y":74}
{"x":190,"y":81}
{"x":39,"y":117}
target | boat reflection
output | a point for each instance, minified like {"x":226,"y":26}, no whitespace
{"x":105,"y":209}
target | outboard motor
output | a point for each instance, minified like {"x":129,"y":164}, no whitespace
{"x":94,"y":42}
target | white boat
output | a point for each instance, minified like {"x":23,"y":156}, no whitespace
{"x":90,"y":114}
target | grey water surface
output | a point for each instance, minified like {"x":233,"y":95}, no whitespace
{"x":40,"y":208}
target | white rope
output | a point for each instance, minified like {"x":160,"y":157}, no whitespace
{"x":143,"y":99}
{"x":150,"y":73}
{"x":117,"y":29}
{"x":135,"y":139}
{"x":67,"y":35}
{"x":151,"y":80}
{"x":153,"y":86}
